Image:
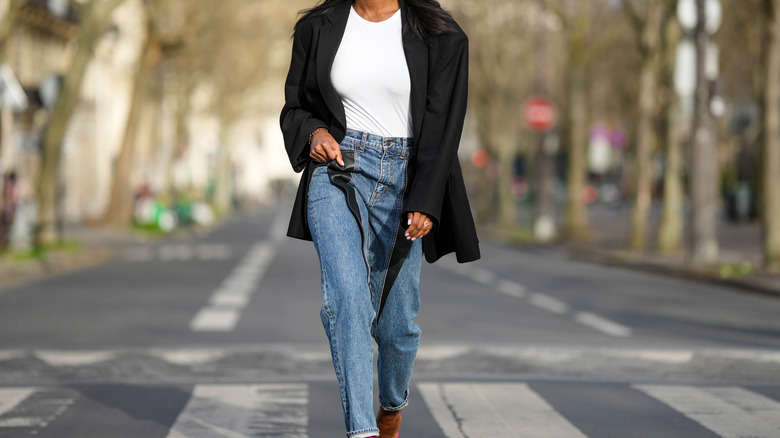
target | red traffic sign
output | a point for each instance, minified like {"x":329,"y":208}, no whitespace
{"x":539,"y":113}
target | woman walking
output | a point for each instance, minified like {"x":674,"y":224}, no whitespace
{"x":375,"y":102}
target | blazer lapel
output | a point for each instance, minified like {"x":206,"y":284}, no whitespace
{"x":328,"y":44}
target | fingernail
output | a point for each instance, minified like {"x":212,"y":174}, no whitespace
{"x":408,"y":238}
{"x":406,"y":234}
{"x":409,"y":222}
{"x":413,"y":239}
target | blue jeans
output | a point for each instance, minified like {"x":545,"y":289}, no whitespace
{"x":354,"y":262}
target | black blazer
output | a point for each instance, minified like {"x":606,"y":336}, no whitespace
{"x":438,"y":68}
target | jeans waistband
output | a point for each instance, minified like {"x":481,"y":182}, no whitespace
{"x":373,"y":140}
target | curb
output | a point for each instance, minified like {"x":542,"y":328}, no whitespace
{"x":623,"y":259}
{"x":54,"y":264}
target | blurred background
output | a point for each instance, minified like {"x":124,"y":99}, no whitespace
{"x":147,"y":287}
{"x":595,"y":124}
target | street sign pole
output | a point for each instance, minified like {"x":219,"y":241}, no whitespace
{"x":703,"y":244}
{"x":540,"y":115}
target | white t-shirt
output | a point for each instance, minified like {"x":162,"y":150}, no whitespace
{"x":371,"y":76}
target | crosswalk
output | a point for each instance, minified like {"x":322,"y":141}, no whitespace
{"x":458,"y":409}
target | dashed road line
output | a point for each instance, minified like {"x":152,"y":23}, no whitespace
{"x":603,"y":325}
{"x":177,"y":252}
{"x":548,"y":303}
{"x":537,"y":299}
{"x":226,"y":304}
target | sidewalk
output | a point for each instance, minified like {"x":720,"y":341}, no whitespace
{"x":739,"y":259}
{"x":96,"y":245}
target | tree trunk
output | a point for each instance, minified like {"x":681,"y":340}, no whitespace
{"x":771,"y":171}
{"x":646,"y":133}
{"x":670,"y":233}
{"x":94,"y":17}
{"x":575,"y":225}
{"x":704,"y":244}
{"x":120,"y":207}
{"x":224,"y":181}
{"x":507,"y":219}
{"x":6,"y":25}
{"x":182,"y":139}
{"x":644,"y":154}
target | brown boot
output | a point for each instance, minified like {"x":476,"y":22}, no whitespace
{"x":389,"y":423}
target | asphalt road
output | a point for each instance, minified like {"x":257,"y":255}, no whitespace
{"x":219,"y":336}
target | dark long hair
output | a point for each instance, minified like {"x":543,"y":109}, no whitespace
{"x":422,"y":17}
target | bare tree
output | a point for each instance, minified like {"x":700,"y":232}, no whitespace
{"x":120,"y":204}
{"x":670,"y":232}
{"x":500,"y":78}
{"x":6,"y":25}
{"x":648,"y":20}
{"x":771,"y":170}
{"x":585,"y":43}
{"x":94,"y":19}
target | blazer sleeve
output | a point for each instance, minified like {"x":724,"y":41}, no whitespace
{"x":296,"y":120}
{"x":445,"y":111}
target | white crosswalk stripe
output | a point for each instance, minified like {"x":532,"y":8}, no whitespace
{"x":460,"y":409}
{"x":494,"y":409}
{"x":729,"y":412}
{"x":238,"y":411}
{"x":11,"y":397}
{"x":19,"y":408}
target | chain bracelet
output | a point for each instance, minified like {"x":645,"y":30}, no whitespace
{"x":311,"y":136}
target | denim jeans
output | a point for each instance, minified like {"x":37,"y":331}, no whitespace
{"x":354,"y":251}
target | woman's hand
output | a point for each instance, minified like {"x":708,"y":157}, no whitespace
{"x":325,"y":148}
{"x":420,"y":224}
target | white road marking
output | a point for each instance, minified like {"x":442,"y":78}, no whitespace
{"x":729,"y":412}
{"x":138,"y":254}
{"x":483,"y":276}
{"x":494,"y":409}
{"x":171,"y":252}
{"x":73,"y":358}
{"x":663,"y":356}
{"x":759,"y":406}
{"x":603,"y":325}
{"x":11,"y":354}
{"x":36,"y":414}
{"x":243,"y":411}
{"x":278,"y":230}
{"x":540,"y":300}
{"x":190,"y":356}
{"x":10,"y":398}
{"x":512,"y":289}
{"x":214,"y":319}
{"x":226,"y":303}
{"x":175,"y":252}
{"x":229,"y":300}
{"x":213,"y":252}
{"x":548,"y":303}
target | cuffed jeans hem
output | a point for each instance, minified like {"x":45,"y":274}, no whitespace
{"x":403,"y":405}
{"x":363,"y":433}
